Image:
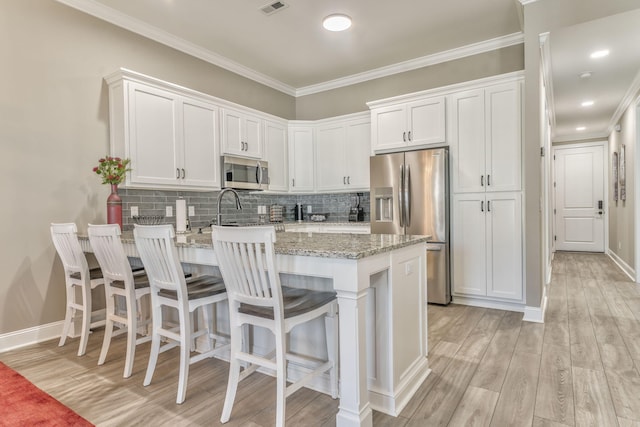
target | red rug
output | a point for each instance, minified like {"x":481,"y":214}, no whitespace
{"x":24,"y":404}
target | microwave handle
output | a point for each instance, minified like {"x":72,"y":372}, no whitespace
{"x":259,"y":173}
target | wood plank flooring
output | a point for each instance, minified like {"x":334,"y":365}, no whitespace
{"x":581,"y":367}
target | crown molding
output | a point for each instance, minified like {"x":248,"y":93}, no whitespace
{"x":580,"y":137}
{"x":525,"y":2}
{"x":545,"y":60}
{"x":114,"y":17}
{"x":99,"y":10}
{"x":413,"y":64}
{"x":629,"y":98}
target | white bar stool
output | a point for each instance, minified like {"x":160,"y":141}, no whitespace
{"x":120,"y":282}
{"x":76,"y":275}
{"x":169,"y":288}
{"x":247,"y":262}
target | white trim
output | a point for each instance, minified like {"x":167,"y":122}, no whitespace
{"x":525,"y":2}
{"x":626,"y":268}
{"x":536,"y":314}
{"x":122,"y":20}
{"x":34,"y":335}
{"x":414,"y":64}
{"x":445,"y":90}
{"x":127,"y":22}
{"x":487,"y":303}
{"x":547,"y":75}
{"x":629,"y":98}
{"x":581,"y":137}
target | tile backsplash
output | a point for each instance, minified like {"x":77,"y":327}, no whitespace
{"x":154,"y":202}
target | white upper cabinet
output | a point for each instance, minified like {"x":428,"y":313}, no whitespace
{"x":342,"y":155}
{"x":276,"y":154}
{"x":170,"y":137}
{"x":301,"y":159}
{"x":241,"y":134}
{"x":411,"y":124}
{"x":486,"y":141}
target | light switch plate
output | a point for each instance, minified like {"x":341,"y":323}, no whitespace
{"x":134,"y":211}
{"x":169,"y":211}
{"x":192,"y":210}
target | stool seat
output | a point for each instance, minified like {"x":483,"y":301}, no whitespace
{"x":201,"y":287}
{"x":295,"y":302}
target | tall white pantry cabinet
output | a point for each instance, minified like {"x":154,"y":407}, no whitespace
{"x":486,"y":169}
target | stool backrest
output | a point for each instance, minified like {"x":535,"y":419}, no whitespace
{"x":159,"y":256}
{"x":107,"y":247}
{"x":65,"y":240}
{"x":246,"y":259}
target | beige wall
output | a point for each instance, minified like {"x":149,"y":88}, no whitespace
{"x":353,"y":98}
{"x":622,"y":214}
{"x":540,"y":17}
{"x":54,"y":127}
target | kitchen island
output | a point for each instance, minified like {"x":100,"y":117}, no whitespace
{"x":380,"y":281}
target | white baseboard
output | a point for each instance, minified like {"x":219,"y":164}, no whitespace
{"x":24,"y":337}
{"x":485,"y":303}
{"x":623,"y":265}
{"x":536,"y":314}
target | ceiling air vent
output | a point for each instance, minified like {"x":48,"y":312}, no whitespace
{"x":273,"y":7}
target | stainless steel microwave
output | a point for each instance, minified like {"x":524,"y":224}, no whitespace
{"x":245,"y":174}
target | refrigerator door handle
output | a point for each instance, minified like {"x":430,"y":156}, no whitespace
{"x":401,"y":196}
{"x":407,"y":197}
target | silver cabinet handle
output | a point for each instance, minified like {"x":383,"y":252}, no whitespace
{"x":481,"y":180}
{"x":183,"y":174}
{"x":481,"y":205}
{"x":407,"y":197}
{"x":409,"y":135}
{"x":246,"y":146}
{"x":177,"y":173}
{"x":488,"y":205}
{"x":344,"y":180}
{"x":293,"y":182}
{"x":404,"y":136}
{"x":401,"y":196}
{"x":259,"y":173}
{"x":488,"y":180}
{"x":349,"y":180}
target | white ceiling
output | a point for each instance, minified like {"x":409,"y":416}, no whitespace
{"x":614,"y":80}
{"x":290,"y":51}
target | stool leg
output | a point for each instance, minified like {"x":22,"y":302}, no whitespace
{"x":186,"y":327}
{"x":234,"y":368}
{"x":132,"y":330}
{"x":156,"y":313}
{"x":281,"y":377}
{"x":108,"y":327}
{"x":68,"y":317}
{"x":86,"y":319}
{"x":331,"y":330}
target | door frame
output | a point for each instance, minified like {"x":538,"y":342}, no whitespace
{"x":605,"y":155}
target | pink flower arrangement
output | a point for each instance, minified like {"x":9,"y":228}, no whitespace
{"x":112,"y":169}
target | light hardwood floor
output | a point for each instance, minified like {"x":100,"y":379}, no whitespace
{"x":581,"y":367}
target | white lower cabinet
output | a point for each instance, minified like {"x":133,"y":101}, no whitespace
{"x":487,"y":245}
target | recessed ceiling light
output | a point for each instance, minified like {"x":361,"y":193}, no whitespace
{"x":600,"y":53}
{"x":587,"y":103}
{"x":585,"y":74}
{"x":336,"y":22}
{"x":579,"y":128}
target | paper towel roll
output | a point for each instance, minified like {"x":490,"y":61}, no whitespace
{"x":181,"y":215}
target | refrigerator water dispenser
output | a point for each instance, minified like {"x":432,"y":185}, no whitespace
{"x":383,"y":204}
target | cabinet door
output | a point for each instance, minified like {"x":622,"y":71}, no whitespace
{"x":201,"y":160}
{"x":330,"y":168}
{"x":153,"y":136}
{"x":276,"y":152}
{"x":357,"y":152}
{"x":504,"y":246}
{"x":503,"y":137}
{"x":232,"y":142}
{"x":467,"y":141}
{"x":426,"y":121}
{"x":301,"y":162}
{"x":468,"y":250}
{"x":389,"y":127}
{"x":252,"y":137}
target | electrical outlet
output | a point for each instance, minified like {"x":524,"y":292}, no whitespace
{"x":168,"y":211}
{"x":619,"y":245}
{"x":192,"y":210}
{"x":308,"y":208}
{"x":134,"y":211}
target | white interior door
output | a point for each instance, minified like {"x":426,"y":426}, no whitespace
{"x":579,"y":214}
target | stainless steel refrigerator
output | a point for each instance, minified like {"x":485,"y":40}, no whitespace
{"x":410,"y":195}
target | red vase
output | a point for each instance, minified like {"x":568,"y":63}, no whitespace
{"x":114,"y":207}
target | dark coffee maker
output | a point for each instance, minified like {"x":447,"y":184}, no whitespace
{"x":298,"y":212}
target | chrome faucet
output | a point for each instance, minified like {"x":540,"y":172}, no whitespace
{"x":222,"y":192}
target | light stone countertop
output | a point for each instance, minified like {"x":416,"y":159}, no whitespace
{"x":324,"y":245}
